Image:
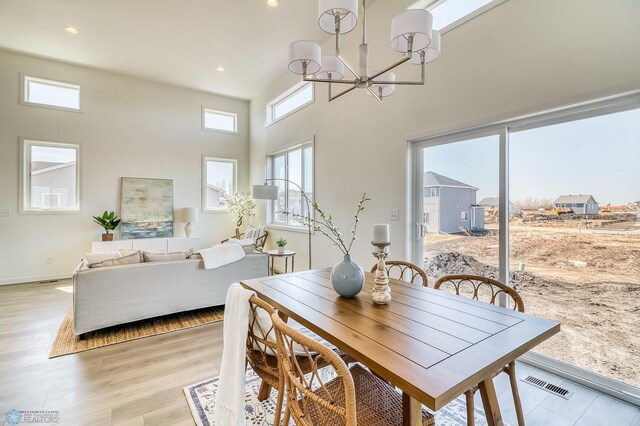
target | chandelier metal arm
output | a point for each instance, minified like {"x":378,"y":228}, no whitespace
{"x":407,"y":83}
{"x":375,"y":95}
{"x":326,"y":80}
{"x":331,"y":98}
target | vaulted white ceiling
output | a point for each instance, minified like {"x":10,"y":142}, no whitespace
{"x":174,"y":41}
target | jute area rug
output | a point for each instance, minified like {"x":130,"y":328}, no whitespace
{"x":66,"y":343}
{"x":201,"y":398}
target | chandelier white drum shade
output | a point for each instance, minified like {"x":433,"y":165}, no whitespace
{"x":337,"y":16}
{"x":411,"y":34}
{"x":431,"y":53}
{"x":305,"y":57}
{"x":411,"y":30}
{"x":382,"y":90}
{"x":331,"y":68}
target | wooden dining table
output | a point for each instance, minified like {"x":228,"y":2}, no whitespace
{"x":431,"y":344}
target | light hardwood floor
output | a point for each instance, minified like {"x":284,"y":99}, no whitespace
{"x":140,"y":382}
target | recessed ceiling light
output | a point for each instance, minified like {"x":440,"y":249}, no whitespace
{"x":71,"y":30}
{"x":220,"y":69}
{"x":272,"y":3}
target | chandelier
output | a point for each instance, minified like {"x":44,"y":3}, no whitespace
{"x":411,"y":34}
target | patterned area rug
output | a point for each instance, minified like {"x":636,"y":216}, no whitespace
{"x":66,"y":343}
{"x":201,"y":398}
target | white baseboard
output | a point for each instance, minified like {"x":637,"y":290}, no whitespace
{"x":35,"y":278}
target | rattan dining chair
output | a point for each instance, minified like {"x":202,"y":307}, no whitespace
{"x":262,"y":349}
{"x":353,"y":397}
{"x":483,"y":288}
{"x":404,"y":271}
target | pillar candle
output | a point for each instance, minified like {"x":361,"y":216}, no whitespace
{"x":381,"y":233}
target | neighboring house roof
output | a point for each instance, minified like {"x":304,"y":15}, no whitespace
{"x":434,"y":179}
{"x":49,"y":167}
{"x":566,"y":199}
{"x":215,"y":188}
{"x":490,"y":201}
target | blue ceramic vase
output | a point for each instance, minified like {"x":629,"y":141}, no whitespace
{"x":347,"y":277}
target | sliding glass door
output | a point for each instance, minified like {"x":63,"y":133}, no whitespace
{"x":575,"y":238}
{"x":550,"y":205}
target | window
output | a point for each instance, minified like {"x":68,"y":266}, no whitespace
{"x":434,"y":192}
{"x":49,"y":93}
{"x":50,"y":177}
{"x":219,"y":120}
{"x":425,"y":217}
{"x":448,"y":14}
{"x":219,"y":179}
{"x":288,"y":103}
{"x":296,"y":165}
{"x":464,"y":216}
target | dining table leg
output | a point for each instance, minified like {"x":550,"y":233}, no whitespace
{"x":490,"y":402}
{"x":411,"y":411}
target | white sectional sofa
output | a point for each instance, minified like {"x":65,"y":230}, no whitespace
{"x":113,"y":295}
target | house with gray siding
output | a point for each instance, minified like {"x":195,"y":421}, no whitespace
{"x":450,"y":205}
{"x":580,"y":204}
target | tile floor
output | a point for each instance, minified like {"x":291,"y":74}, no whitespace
{"x":541,"y":408}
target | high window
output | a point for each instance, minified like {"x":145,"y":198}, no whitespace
{"x":296,"y":166}
{"x":54,"y":94}
{"x":50,"y":177}
{"x":448,"y":14}
{"x":291,"y":101}
{"x":218,"y":180}
{"x":219,"y":121}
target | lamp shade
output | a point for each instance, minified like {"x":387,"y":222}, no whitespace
{"x":301,"y":52}
{"x":190,"y":214}
{"x":345,"y":10}
{"x":265,"y":192}
{"x":414,"y":22}
{"x":333,"y":65}
{"x":431,"y":53}
{"x":383,"y":89}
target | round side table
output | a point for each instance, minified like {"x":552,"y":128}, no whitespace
{"x":286,"y":254}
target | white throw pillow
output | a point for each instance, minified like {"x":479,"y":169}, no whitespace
{"x":101,"y":257}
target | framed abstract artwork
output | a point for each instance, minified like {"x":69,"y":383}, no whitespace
{"x":146,"y":208}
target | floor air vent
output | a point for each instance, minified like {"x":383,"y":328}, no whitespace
{"x":549,"y":387}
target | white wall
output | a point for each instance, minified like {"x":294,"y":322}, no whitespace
{"x":128,"y":127}
{"x":520,"y":57}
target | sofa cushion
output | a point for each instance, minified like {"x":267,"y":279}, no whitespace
{"x":122,"y":260}
{"x":165,"y":257}
{"x":248,"y":244}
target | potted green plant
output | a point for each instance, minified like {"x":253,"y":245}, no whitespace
{"x":109,"y":221}
{"x":281,"y":242}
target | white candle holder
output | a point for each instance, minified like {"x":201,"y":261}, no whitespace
{"x":381,"y":291}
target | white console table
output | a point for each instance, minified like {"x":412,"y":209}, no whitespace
{"x":166,"y":244}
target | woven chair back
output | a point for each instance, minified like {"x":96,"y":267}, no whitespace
{"x":261,"y":341}
{"x":404,"y":271}
{"x":308,"y":396}
{"x":480,"y":288}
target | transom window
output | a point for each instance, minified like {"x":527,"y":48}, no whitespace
{"x":448,"y":14}
{"x":219,"y":178}
{"x":296,"y":166}
{"x":291,"y":101}
{"x":219,"y":121}
{"x":55,"y":94}
{"x":50,"y":177}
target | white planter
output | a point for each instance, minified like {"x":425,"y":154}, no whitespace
{"x":280,"y":249}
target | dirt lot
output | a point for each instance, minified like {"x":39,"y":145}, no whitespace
{"x":588,"y":281}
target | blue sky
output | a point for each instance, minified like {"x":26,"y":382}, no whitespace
{"x":598,"y":156}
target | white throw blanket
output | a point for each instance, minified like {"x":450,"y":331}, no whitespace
{"x":230,"y":398}
{"x":220,"y":255}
